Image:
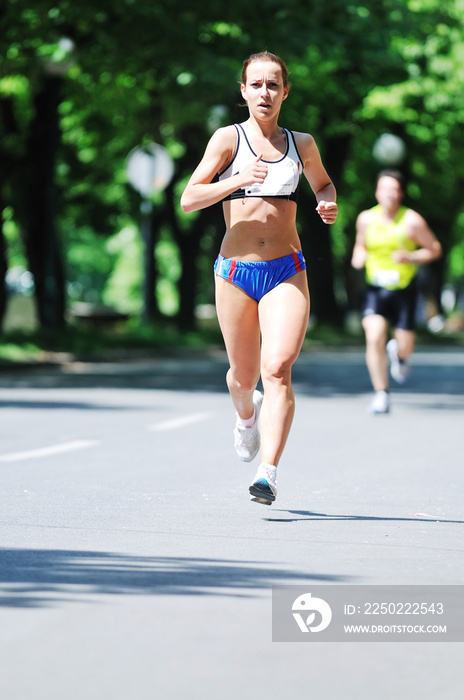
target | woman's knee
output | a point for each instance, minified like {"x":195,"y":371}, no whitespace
{"x":241,"y":380}
{"x":277,"y":369}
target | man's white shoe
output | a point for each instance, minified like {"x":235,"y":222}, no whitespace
{"x":381,"y":403}
{"x":399,"y":370}
{"x":264,"y":486}
{"x":247,"y":440}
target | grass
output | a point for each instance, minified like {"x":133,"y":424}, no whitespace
{"x":23,"y":342}
{"x":133,"y":339}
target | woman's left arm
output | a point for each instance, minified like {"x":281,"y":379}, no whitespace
{"x":318,"y":178}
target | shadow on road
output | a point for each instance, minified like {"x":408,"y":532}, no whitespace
{"x":69,"y":406}
{"x":34,"y":578}
{"x":309,"y":515}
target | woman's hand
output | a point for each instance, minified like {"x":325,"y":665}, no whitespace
{"x":327,"y":211}
{"x":254,"y":173}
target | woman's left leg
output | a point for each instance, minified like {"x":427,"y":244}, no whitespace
{"x":283,"y":316}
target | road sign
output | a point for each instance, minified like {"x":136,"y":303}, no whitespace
{"x":149,"y":169}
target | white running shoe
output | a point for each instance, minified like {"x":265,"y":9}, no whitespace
{"x":399,"y":370}
{"x":381,"y":403}
{"x":247,"y":440}
{"x":264,"y":487}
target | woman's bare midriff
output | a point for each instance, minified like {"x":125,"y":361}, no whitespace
{"x":259,"y":229}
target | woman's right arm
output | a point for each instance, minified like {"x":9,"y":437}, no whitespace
{"x":200,"y":192}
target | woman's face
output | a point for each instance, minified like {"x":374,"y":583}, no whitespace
{"x":264,"y":90}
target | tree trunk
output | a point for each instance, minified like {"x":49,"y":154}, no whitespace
{"x":3,"y":270}
{"x":8,"y":126}
{"x":316,"y":240}
{"x":189,"y":246}
{"x":317,"y":249}
{"x":41,"y":240}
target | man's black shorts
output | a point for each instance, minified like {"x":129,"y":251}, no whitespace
{"x":398,"y":306}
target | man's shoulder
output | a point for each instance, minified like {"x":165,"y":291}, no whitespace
{"x":365,"y":216}
{"x":412,"y":217}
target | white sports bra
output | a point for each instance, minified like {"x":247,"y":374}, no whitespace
{"x":283,"y":176}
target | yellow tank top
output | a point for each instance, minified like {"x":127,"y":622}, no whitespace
{"x":381,"y":240}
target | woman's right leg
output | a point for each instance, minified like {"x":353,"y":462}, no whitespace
{"x":239,"y":322}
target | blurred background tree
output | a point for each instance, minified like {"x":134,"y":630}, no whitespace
{"x":82,"y":85}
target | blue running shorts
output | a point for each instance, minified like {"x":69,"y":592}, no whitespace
{"x":258,"y":278}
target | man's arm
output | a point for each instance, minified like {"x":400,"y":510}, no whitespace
{"x":359,"y":256}
{"x":428,"y":246}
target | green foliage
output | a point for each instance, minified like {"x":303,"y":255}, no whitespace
{"x":122,"y":289}
{"x":135,"y":71}
{"x":89,"y":263}
{"x":169,"y":268}
{"x":15,"y":250}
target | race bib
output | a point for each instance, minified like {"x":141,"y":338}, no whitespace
{"x":388,"y":279}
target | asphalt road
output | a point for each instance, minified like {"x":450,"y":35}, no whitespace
{"x":133,"y":565}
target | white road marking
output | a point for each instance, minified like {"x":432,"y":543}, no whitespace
{"x":179,"y":422}
{"x":46,"y":451}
